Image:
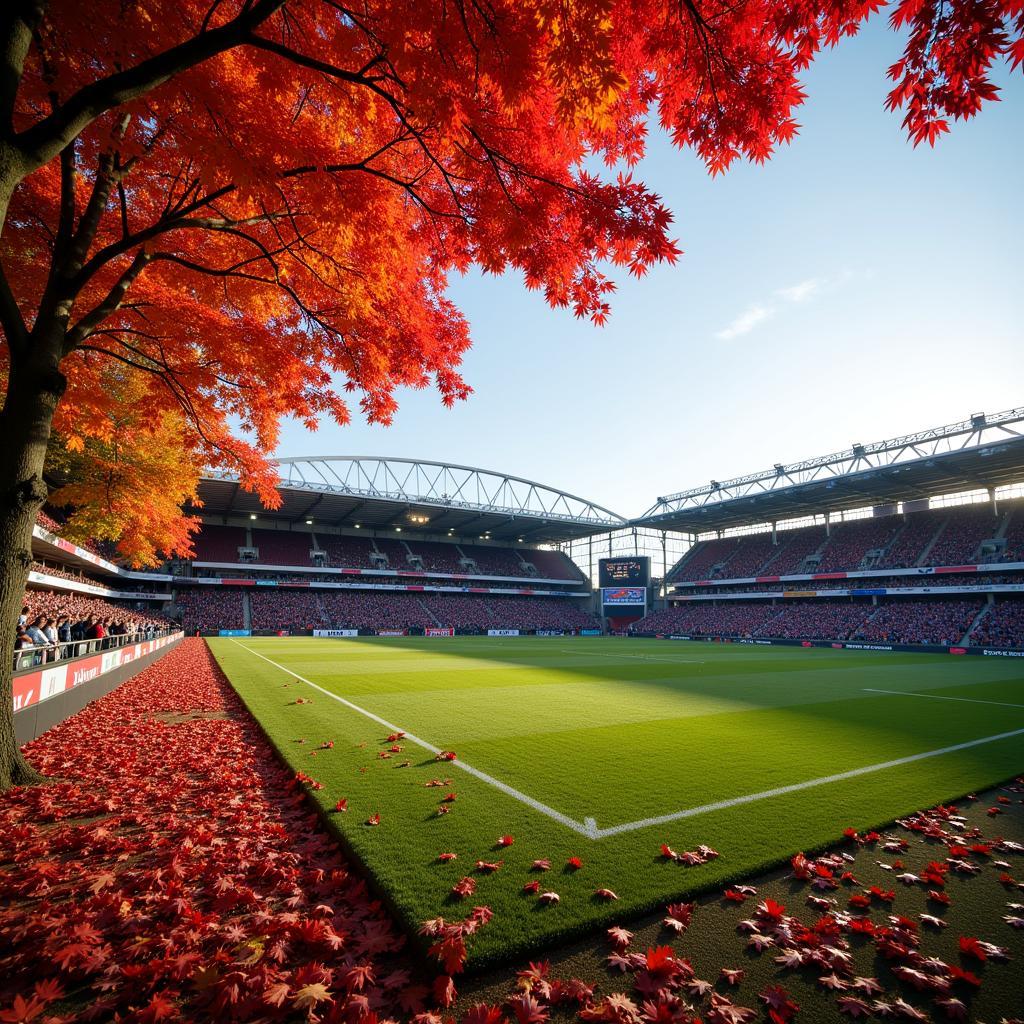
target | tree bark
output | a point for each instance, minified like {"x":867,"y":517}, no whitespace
{"x":35,"y":386}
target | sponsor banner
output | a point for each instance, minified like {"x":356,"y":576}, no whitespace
{"x":858,"y":574}
{"x":234,"y":632}
{"x":624,"y":595}
{"x":799,"y":593}
{"x":89,"y":556}
{"x":875,"y":592}
{"x":504,"y":632}
{"x":988,"y":652}
{"x":52,"y":681}
{"x":590,"y":632}
{"x":33,"y":687}
{"x":549,"y":632}
{"x":79,"y":587}
{"x":392,"y":632}
{"x":439,"y":631}
{"x":335,"y":632}
{"x":111,"y":659}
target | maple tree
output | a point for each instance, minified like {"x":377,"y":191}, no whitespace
{"x":256,"y":204}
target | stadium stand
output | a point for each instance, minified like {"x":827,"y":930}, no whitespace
{"x":538,"y":613}
{"x":347,"y":552}
{"x":735,"y":618}
{"x":981,"y":579}
{"x":912,"y":621}
{"x":370,"y":609}
{"x":701,"y":559}
{"x":1014,"y":550}
{"x":898,"y":621}
{"x":1001,"y":626}
{"x":395,"y":551}
{"x":47,"y":522}
{"x":798,"y":546}
{"x":58,"y":571}
{"x":218,"y":543}
{"x":962,"y":534}
{"x":284,"y":610}
{"x":210,"y":609}
{"x":942,"y":536}
{"x":816,"y":620}
{"x":913,"y":540}
{"x":494,"y":561}
{"x":751,"y":553}
{"x":350,"y":609}
{"x":552,"y":565}
{"x":280,"y":547}
{"x":850,"y":542}
{"x":439,"y":557}
{"x":61,"y":604}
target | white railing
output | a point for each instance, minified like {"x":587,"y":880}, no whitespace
{"x":68,"y":650}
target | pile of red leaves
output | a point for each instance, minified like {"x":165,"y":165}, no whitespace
{"x":173,"y":870}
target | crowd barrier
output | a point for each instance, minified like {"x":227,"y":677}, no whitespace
{"x":51,"y":654}
{"x":47,"y":695}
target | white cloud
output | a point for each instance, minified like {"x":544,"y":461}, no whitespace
{"x":802,"y":291}
{"x":746,"y":322}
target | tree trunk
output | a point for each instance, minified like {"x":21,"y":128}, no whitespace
{"x":34,"y":387}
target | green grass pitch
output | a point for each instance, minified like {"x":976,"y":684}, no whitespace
{"x":592,"y":748}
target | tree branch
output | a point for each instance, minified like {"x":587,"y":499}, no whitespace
{"x":18,"y":22}
{"x":45,"y":139}
{"x":108,"y":305}
{"x":11,"y":319}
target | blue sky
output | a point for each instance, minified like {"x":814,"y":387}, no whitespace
{"x":851,"y":289}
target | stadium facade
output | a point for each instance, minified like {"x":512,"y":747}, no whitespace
{"x":918,"y":539}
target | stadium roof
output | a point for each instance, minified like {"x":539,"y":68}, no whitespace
{"x":978,"y":453}
{"x":417,"y":496}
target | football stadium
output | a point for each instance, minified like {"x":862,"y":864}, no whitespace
{"x":478,"y":718}
{"x":578,"y":700}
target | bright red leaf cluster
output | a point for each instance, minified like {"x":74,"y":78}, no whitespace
{"x":174,"y":870}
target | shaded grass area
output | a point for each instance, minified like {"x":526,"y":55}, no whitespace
{"x":616,"y":731}
{"x":978,"y":905}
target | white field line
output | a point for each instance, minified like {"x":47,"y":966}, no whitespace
{"x":576,"y":826}
{"x":935,"y":696}
{"x":589,"y":826}
{"x":721,"y":804}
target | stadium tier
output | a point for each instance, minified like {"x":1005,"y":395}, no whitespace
{"x":943,"y":622}
{"x":210,"y":609}
{"x":372,"y":610}
{"x":937,"y":537}
{"x":346,"y":552}
{"x":219,"y":543}
{"x":258,"y":547}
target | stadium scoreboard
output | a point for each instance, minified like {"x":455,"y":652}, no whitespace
{"x":625,"y":584}
{"x":625,"y":572}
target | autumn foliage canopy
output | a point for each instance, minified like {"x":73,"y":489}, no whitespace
{"x":246,"y":209}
